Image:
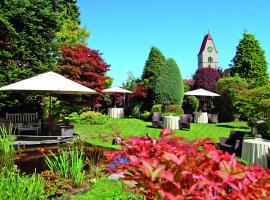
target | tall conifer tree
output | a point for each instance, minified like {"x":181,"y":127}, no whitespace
{"x":154,"y":65}
{"x":250,"y":62}
{"x":169,"y":88}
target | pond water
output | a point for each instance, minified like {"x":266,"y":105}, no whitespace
{"x":31,"y":159}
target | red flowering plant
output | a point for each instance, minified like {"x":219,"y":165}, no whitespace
{"x":176,"y":169}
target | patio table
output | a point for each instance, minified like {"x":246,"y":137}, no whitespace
{"x":116,"y":112}
{"x":171,"y":122}
{"x":256,"y":151}
{"x":201,"y":117}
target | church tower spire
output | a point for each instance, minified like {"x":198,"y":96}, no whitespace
{"x":208,"y":55}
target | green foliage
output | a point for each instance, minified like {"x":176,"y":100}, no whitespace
{"x":146,"y":115}
{"x":250,"y":62}
{"x":88,"y":117}
{"x":59,"y":162}
{"x":6,"y":147}
{"x":27,"y":44}
{"x":154,"y":65}
{"x":173,"y":109}
{"x":193,"y":102}
{"x":242,"y":161}
{"x":15,"y":186}
{"x":169,"y":87}
{"x":77,"y":164}
{"x":70,"y":33}
{"x":136,"y":109}
{"x":28,"y":29}
{"x":252,"y":103}
{"x":228,"y":88}
{"x":69,"y":163}
{"x":157,"y":108}
{"x":93,"y":118}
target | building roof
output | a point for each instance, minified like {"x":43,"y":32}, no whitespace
{"x":205,"y":39}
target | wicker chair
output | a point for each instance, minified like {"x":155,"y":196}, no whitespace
{"x":156,"y":120}
{"x":184,"y":122}
{"x":233,"y":144}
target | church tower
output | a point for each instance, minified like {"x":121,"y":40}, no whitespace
{"x":208,"y":55}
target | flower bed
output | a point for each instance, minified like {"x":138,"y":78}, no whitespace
{"x":174,"y":168}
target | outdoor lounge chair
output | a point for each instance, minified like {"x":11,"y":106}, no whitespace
{"x":184,"y":122}
{"x":156,"y":120}
{"x":233,"y":144}
{"x":213,"y":118}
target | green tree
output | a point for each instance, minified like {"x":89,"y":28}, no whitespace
{"x":27,"y":38}
{"x":70,"y":33}
{"x":153,"y":66}
{"x":250,"y":62}
{"x":169,"y":87}
{"x":27,"y":44}
{"x":228,"y":88}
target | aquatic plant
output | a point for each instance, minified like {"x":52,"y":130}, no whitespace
{"x":70,"y":163}
{"x":59,"y":162}
{"x":6,"y":146}
{"x":77,"y":164}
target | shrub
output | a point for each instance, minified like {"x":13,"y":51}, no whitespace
{"x":228,"y":88}
{"x":169,"y":88}
{"x":146,"y":115}
{"x":254,"y":105}
{"x":175,"y":168}
{"x":193,"y":102}
{"x":136,"y":109}
{"x":88,"y":117}
{"x":157,"y":108}
{"x":93,"y":118}
{"x":173,"y":109}
{"x":206,"y":78}
{"x":13,"y":185}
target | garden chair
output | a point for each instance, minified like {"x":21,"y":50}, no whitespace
{"x":184,"y":122}
{"x":233,"y":143}
{"x":156,"y":120}
{"x":213,"y":118}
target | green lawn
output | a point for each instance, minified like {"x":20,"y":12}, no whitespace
{"x":130,"y":126}
{"x":105,"y":189}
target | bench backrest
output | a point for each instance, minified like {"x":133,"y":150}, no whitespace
{"x":22,"y":117}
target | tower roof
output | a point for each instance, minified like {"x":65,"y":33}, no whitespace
{"x":205,"y":39}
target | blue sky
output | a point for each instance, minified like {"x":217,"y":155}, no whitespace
{"x":125,"y":30}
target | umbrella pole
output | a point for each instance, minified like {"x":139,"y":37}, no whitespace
{"x":124,"y":100}
{"x":115,"y":100}
{"x":50,"y":112}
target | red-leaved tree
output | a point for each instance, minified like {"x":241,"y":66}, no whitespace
{"x":178,"y":169}
{"x":206,"y":78}
{"x":84,"y":65}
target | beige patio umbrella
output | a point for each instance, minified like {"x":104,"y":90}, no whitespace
{"x":202,"y":93}
{"x":116,"y":90}
{"x":47,"y":84}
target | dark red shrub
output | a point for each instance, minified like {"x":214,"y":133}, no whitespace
{"x":206,"y":78}
{"x":175,"y":169}
{"x":84,"y":65}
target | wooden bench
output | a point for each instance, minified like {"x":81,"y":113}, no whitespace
{"x":25,"y":122}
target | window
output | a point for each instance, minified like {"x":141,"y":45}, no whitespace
{"x":210,"y":59}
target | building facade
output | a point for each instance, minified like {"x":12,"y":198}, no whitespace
{"x":208,"y":54}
